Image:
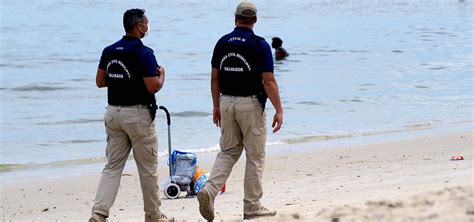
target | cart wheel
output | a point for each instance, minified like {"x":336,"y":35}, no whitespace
{"x":172,"y":191}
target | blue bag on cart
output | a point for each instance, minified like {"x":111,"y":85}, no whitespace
{"x":183,"y":166}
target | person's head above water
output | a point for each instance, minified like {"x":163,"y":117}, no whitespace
{"x":280,"y":52}
{"x":276,"y":42}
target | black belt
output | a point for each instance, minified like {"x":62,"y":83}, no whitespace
{"x":139,"y":106}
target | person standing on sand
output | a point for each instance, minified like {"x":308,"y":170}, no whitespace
{"x":241,"y":78}
{"x":132,"y":76}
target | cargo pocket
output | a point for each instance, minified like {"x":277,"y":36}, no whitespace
{"x":107,"y":119}
{"x":150,"y":143}
{"x":257,"y":131}
{"x":108,"y":125}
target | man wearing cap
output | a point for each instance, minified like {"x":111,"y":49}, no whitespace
{"x":132,"y":76}
{"x":241,"y":78}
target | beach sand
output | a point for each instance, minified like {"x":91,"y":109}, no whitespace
{"x":406,"y":180}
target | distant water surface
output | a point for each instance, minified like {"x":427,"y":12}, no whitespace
{"x":356,"y":67}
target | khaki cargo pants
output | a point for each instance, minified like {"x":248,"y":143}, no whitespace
{"x":129,"y":128}
{"x":243,"y":126}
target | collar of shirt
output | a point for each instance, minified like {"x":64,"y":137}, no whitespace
{"x":243,"y":30}
{"x":132,"y":39}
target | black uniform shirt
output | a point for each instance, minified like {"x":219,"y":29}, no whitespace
{"x":126,"y":62}
{"x":242,"y":57}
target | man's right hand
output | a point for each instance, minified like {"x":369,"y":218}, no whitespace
{"x":216,"y":116}
{"x":161,"y":71}
{"x":277,"y":121}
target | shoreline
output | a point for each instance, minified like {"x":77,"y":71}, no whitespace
{"x":346,"y":181}
{"x":13,"y":173}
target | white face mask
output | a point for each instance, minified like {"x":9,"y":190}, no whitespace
{"x":147,"y":31}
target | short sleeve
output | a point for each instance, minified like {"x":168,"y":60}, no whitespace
{"x":215,"y":60}
{"x":267,"y":65}
{"x":149,"y":66}
{"x":103,"y":60}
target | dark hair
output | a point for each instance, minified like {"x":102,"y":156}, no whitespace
{"x":246,"y":20}
{"x":276,"y":42}
{"x":131,"y":18}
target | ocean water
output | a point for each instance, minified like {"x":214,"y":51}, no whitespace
{"x":356,"y":67}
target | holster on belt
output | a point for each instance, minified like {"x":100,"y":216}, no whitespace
{"x":153,"y":107}
{"x":262,"y":98}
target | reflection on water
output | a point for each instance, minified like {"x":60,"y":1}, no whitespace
{"x":355,"y":67}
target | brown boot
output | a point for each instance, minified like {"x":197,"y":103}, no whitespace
{"x":97,"y":218}
{"x":259,"y":212}
{"x":206,"y":205}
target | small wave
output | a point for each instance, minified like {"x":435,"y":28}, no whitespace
{"x":311,"y":103}
{"x":80,"y":80}
{"x":9,"y":167}
{"x":13,"y":167}
{"x":441,"y":33}
{"x":359,"y":51}
{"x":274,"y":143}
{"x":328,"y":50}
{"x":418,"y":125}
{"x":78,"y":121}
{"x":282,"y":70}
{"x":81,"y":141}
{"x":214,"y":148}
{"x":194,"y":79}
{"x":352,"y":100}
{"x":422,"y":87}
{"x":75,"y":60}
{"x":437,"y":68}
{"x":37,"y":88}
{"x":191,"y":114}
{"x":315,"y":138}
{"x":13,"y":65}
{"x":195,"y":150}
{"x":397,"y":51}
{"x":307,"y":139}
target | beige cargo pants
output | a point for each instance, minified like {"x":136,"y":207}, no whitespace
{"x":129,"y":128}
{"x":243,"y":126}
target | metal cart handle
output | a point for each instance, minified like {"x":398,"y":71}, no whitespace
{"x":168,"y":118}
{"x":167,"y":114}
